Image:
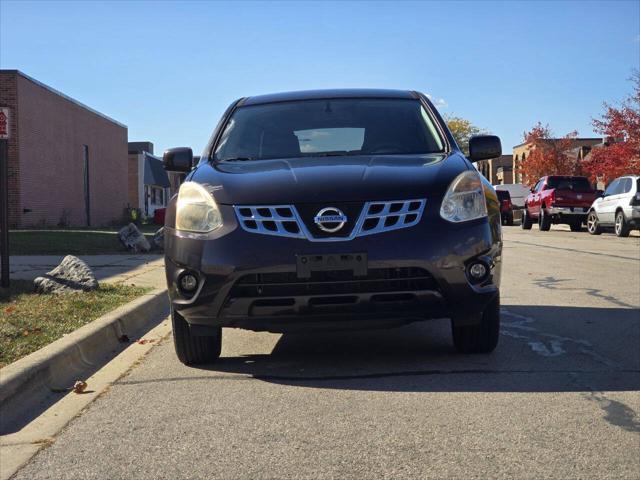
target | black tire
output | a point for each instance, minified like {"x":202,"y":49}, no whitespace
{"x":510,"y":220}
{"x":621,"y":227}
{"x":593,"y":225}
{"x":575,"y":226}
{"x":481,"y":338}
{"x":526,"y":220}
{"x":191,"y":349}
{"x":544,"y":220}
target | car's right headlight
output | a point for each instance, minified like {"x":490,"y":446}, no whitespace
{"x":196,"y":210}
{"x":464,"y":199}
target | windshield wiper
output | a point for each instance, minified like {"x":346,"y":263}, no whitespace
{"x":236,"y":159}
{"x":342,"y":153}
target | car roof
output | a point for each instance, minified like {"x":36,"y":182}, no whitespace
{"x":330,"y":93}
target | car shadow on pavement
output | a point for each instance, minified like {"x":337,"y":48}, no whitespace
{"x":541,"y":349}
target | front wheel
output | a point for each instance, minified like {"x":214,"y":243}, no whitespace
{"x":593,"y":226}
{"x":621,"y":227}
{"x":481,"y":338}
{"x":191,"y":349}
{"x":526,"y":220}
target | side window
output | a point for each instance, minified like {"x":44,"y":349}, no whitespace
{"x":627,"y":185}
{"x":539,"y":186}
{"x":611,"y":189}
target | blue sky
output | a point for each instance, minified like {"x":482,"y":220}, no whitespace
{"x":169,"y":69}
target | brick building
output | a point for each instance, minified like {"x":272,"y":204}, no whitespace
{"x":67,"y":162}
{"x":522,"y":151}
{"x":497,"y":170}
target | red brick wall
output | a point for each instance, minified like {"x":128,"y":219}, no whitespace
{"x":133,"y":185}
{"x":8,"y":98}
{"x":52,"y":132}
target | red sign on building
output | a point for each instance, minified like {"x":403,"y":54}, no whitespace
{"x":4,"y":123}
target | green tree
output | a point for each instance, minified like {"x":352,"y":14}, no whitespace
{"x":462,"y":130}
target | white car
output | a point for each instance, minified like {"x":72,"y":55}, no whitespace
{"x":517,"y":191}
{"x":619,"y":207}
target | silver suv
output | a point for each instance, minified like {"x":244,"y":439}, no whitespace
{"x":618,"y":207}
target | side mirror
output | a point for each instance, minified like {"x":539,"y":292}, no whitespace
{"x":178,"y":159}
{"x":483,"y":147}
{"x":600,"y":193}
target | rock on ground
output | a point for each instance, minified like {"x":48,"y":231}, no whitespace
{"x":133,"y":239}
{"x":72,"y":275}
{"x":158,"y":239}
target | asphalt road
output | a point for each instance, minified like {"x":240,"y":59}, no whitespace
{"x":558,"y":399}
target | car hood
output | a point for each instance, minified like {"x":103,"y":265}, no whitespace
{"x":333,"y":179}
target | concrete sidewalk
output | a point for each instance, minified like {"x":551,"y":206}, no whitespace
{"x":139,"y":270}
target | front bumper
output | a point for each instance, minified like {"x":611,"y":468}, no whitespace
{"x":251,"y":281}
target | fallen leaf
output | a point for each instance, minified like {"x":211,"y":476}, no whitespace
{"x":9,"y":310}
{"x":25,"y":333}
{"x":80,"y":386}
{"x":143,"y":341}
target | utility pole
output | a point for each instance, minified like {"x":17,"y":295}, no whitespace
{"x":5,"y":132}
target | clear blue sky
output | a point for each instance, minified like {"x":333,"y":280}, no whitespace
{"x":168,"y":70}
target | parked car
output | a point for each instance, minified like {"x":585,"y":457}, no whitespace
{"x":517,"y":191}
{"x":619,"y":207}
{"x":332,"y":210}
{"x":559,"y":199}
{"x":506,"y":207}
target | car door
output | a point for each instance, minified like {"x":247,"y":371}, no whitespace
{"x":535,"y":199}
{"x":606,"y":207}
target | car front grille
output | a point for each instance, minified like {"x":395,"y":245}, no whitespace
{"x":285,"y":221}
{"x":338,"y":282}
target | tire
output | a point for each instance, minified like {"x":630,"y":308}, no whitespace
{"x":510,"y":220}
{"x":191,"y":349}
{"x":593,"y":226}
{"x":481,"y":338}
{"x":526,"y":220}
{"x":544,"y":220}
{"x":621,"y":226}
{"x":575,"y":226}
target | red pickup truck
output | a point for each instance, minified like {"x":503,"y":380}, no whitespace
{"x":559,"y":199}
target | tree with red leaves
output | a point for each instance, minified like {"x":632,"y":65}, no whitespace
{"x":548,"y":155}
{"x":621,"y":128}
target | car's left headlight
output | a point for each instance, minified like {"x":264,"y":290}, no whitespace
{"x":464,"y":199}
{"x":196,"y":210}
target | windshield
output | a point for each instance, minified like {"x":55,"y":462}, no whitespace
{"x":313,"y":128}
{"x":577,"y":184}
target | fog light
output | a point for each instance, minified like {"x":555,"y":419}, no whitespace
{"x":188,"y":283}
{"x":478,"y":271}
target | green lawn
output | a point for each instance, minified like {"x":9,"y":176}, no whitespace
{"x":70,"y":241}
{"x":29,"y":321}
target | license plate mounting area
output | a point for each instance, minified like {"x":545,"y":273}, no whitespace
{"x":356,"y":262}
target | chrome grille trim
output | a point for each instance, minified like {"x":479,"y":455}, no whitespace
{"x":403,"y":214}
{"x":250,"y":216}
{"x":406,"y":213}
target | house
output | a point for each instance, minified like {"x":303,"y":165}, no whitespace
{"x":67,"y":162}
{"x":148,"y":183}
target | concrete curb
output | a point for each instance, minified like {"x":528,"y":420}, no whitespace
{"x":56,"y":366}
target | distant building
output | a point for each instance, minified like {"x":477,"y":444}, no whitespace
{"x":522,"y":151}
{"x":497,"y":170}
{"x":67,"y":162}
{"x":148,"y":183}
